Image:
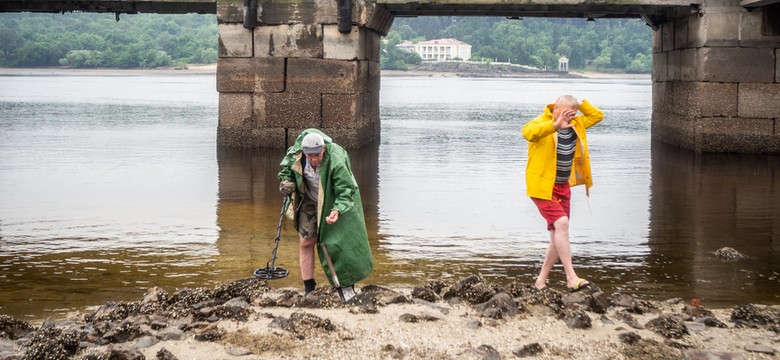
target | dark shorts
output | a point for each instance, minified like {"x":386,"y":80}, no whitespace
{"x":307,"y":218}
{"x":557,"y":207}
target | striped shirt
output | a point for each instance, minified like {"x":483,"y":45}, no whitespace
{"x":567,"y":141}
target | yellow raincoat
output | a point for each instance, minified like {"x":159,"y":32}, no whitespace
{"x":542,"y":142}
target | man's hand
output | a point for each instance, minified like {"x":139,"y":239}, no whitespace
{"x":333,"y":217}
{"x":286,"y":187}
{"x":564,"y":119}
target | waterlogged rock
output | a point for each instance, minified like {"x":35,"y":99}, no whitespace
{"x":471,"y":289}
{"x":319,"y":298}
{"x":377,"y":295}
{"x":632,"y":304}
{"x":51,"y":344}
{"x":629,"y":320}
{"x":145,"y":342}
{"x":629,"y":338}
{"x":551,"y":301}
{"x":210,"y":335}
{"x":648,"y":349}
{"x":669,"y":326}
{"x":424,"y":293}
{"x":247,"y":288}
{"x":728,"y":253}
{"x":303,"y":324}
{"x":576,"y":319}
{"x":711,"y":321}
{"x":486,"y":352}
{"x":124,"y":331}
{"x":532,"y":349}
{"x":13,"y":329}
{"x":696,"y":311}
{"x":116,"y":354}
{"x":749,"y":314}
{"x":599,"y":302}
{"x":500,"y":305}
{"x":400,"y":351}
{"x":165,"y":354}
{"x":285,"y":297}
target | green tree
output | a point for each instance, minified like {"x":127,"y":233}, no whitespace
{"x":82,"y":59}
{"x":394,"y":58}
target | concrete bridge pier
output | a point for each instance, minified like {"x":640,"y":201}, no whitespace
{"x":296,"y":70}
{"x":716,"y":79}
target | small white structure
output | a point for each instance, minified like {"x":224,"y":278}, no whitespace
{"x":563,"y":64}
{"x":440,"y":49}
{"x":406,"y":45}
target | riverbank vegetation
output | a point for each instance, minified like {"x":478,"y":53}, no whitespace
{"x":94,"y":40}
{"x":91,"y":40}
{"x":622,"y":45}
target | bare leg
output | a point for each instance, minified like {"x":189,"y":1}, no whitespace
{"x":561,"y":240}
{"x":306,"y":257}
{"x":559,"y":248}
{"x":549,"y":261}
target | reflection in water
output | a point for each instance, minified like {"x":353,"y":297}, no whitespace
{"x":110,"y":185}
{"x":703,"y":202}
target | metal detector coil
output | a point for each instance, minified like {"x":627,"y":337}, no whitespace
{"x":271,"y":271}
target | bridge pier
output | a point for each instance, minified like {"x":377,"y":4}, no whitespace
{"x":716,"y":79}
{"x":296,"y":70}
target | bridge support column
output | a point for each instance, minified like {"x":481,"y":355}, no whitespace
{"x":716,"y":79}
{"x":295,"y":70}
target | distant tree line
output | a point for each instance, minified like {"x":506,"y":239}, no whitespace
{"x":89,"y":40}
{"x":603,"y":45}
{"x":86,"y":40}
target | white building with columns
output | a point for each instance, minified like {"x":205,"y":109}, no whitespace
{"x":440,"y":49}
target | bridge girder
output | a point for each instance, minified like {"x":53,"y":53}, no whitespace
{"x":104,"y":6}
{"x":535,"y":10}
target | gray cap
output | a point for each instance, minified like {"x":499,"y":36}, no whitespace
{"x":312,"y":144}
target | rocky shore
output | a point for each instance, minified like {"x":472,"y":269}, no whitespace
{"x":467,"y":319}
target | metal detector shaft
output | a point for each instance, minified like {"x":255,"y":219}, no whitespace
{"x":270,"y":271}
{"x":285,"y":203}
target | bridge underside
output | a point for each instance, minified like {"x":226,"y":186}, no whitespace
{"x":121,"y":7}
{"x":578,"y":10}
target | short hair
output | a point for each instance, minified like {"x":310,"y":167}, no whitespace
{"x":568,"y":99}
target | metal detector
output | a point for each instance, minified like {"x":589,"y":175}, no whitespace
{"x":270,"y":271}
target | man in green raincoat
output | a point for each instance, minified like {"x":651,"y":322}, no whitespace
{"x":327,"y":212}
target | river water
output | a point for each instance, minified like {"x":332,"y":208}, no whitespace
{"x":112,"y":184}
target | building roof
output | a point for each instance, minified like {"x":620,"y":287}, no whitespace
{"x":443,"y":42}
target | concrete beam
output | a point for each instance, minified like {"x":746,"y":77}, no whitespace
{"x":111,"y":6}
{"x":757,"y":3}
{"x":657,"y":9}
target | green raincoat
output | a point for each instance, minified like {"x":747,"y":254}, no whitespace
{"x":346,"y":239}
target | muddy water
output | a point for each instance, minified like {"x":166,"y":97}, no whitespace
{"x":112,"y":184}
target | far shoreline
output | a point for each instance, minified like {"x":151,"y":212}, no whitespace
{"x":211,"y":69}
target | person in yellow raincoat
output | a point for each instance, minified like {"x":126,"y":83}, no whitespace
{"x":327,"y":210}
{"x":558,"y":159}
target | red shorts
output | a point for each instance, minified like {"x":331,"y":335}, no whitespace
{"x":557,"y":207}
